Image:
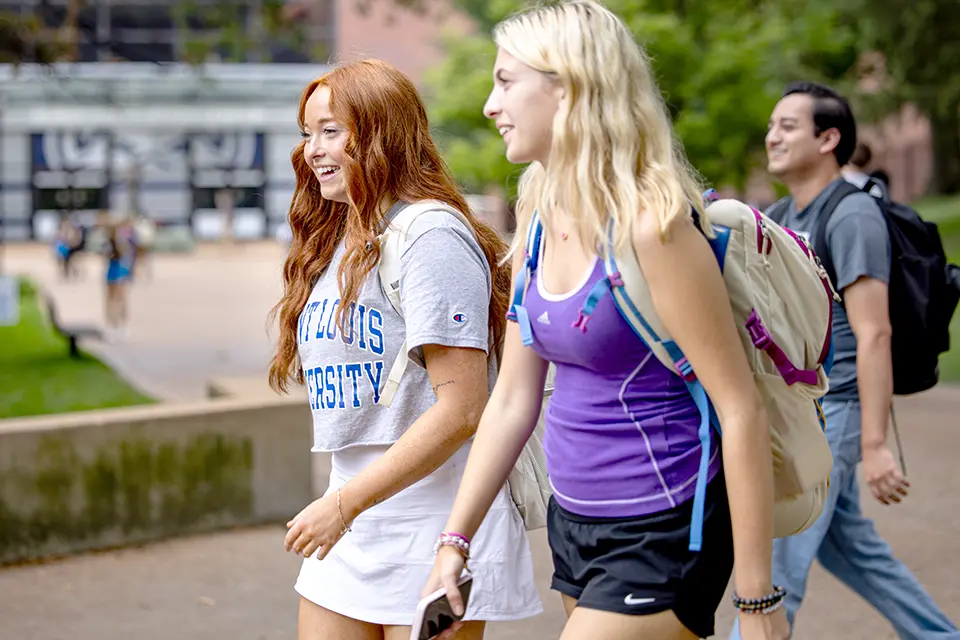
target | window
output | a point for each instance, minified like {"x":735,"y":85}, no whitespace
{"x":171,"y":30}
{"x":156,"y":17}
{"x":65,"y":199}
{"x":244,"y":198}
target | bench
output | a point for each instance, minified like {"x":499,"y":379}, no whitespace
{"x":72,"y":332}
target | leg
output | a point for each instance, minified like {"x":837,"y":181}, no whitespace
{"x":70,"y":267}
{"x":472,"y":630}
{"x":593,"y":624}
{"x":109,"y":310}
{"x":122,"y":304}
{"x":317,"y":623}
{"x":569,"y":604}
{"x":146,"y":267}
{"x":855,"y":553}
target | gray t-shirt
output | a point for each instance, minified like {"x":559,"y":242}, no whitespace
{"x":445,"y":289}
{"x":859,"y":246}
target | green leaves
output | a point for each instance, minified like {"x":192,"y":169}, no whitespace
{"x":920,"y":45}
{"x":24,"y":38}
{"x":721,"y":65}
{"x":456,"y":91}
{"x":217,"y":30}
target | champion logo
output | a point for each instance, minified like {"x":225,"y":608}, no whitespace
{"x":544,"y":318}
{"x":459,"y":318}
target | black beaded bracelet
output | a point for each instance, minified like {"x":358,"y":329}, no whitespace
{"x":764,"y":605}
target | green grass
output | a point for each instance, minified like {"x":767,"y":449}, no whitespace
{"x":945,"y":211}
{"x":938,"y":208}
{"x":37,"y":375}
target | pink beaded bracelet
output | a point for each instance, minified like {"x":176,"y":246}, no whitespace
{"x":448,"y":539}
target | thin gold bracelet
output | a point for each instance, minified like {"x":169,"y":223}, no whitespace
{"x":343,"y":522}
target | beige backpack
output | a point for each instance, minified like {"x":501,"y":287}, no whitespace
{"x":782,"y":302}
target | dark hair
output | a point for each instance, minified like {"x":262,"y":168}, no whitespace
{"x":862,"y":155}
{"x":830,"y":111}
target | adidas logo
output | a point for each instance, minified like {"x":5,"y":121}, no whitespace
{"x":544,"y":318}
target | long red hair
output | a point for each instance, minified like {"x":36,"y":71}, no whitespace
{"x":389,"y":153}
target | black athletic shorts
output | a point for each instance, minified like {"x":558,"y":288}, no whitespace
{"x":643,"y":565}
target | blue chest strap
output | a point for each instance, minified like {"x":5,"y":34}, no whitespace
{"x":518,"y":313}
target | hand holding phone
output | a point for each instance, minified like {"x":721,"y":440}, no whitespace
{"x":434,"y":613}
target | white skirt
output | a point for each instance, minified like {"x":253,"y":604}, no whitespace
{"x":376,"y":572}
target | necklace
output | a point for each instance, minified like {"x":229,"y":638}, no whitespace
{"x":563,"y":235}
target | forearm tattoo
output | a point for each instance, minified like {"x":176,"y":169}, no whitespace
{"x":443,"y":384}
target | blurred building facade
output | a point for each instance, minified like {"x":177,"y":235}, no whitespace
{"x":133,"y":127}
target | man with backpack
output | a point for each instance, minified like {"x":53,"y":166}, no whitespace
{"x":811,"y":135}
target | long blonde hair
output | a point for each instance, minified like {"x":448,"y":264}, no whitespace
{"x":613,"y":153}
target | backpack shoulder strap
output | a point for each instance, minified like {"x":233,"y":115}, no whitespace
{"x":779,"y":210}
{"x":631,"y":296}
{"x":393,"y":241}
{"x":531,"y":258}
{"x":819,"y":238}
{"x":633,"y":300}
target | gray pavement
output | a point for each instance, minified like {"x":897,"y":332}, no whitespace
{"x":203,"y":316}
{"x":192,"y":317}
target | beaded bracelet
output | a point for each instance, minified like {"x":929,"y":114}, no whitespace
{"x":761,"y":606}
{"x":456,"y":540}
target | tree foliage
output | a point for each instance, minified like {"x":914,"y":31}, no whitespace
{"x":210,"y":30}
{"x":229,"y":39}
{"x":455,"y":92}
{"x":721,"y":65}
{"x":920,"y":41}
{"x":24,"y":38}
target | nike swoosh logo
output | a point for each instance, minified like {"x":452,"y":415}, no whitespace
{"x":631,"y":600}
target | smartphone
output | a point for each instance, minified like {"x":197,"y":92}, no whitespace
{"x":434,"y":614}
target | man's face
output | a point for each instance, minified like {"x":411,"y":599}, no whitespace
{"x":792,"y":144}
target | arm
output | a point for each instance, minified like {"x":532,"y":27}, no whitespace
{"x":867,"y":308}
{"x":455,"y":359}
{"x":453,"y":353}
{"x":690,"y":296}
{"x":505,"y":427}
{"x":866,"y":302}
{"x":459,"y":378}
{"x":507,"y":422}
{"x":860,"y":247}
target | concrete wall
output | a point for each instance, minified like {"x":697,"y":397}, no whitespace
{"x":98,"y":479}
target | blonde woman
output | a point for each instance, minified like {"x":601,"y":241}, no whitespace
{"x":574,"y":96}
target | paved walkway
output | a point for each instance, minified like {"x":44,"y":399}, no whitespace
{"x":191,"y":317}
{"x":203,"y":316}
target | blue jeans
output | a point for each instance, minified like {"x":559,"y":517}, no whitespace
{"x":848,"y":546}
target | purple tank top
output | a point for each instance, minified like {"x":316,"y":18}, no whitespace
{"x":621,"y":429}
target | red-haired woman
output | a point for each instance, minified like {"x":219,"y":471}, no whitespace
{"x":368,"y":543}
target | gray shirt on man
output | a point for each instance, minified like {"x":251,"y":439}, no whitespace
{"x":859,"y":246}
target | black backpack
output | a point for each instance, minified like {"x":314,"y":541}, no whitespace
{"x":924,"y":289}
